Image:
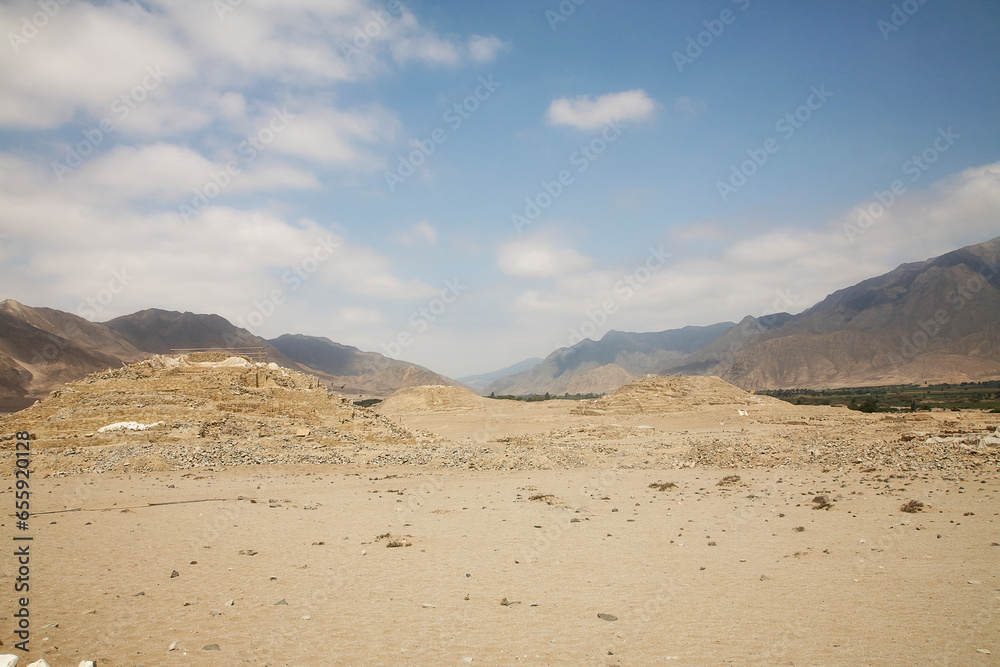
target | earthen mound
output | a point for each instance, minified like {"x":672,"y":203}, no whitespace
{"x":432,"y":398}
{"x":655,"y":395}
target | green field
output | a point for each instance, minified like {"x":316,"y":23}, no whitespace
{"x":895,"y":398}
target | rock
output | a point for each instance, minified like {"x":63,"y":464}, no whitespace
{"x":215,"y":612}
{"x":8,"y":660}
{"x":607,"y":617}
{"x":173,"y":646}
{"x":39,"y":663}
{"x":281,"y":601}
{"x":210,"y":647}
{"x":984,"y":651}
{"x":87,"y":663}
{"x":175,"y":574}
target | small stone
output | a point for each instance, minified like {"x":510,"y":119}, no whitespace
{"x":974,"y":581}
{"x":215,"y":612}
{"x":764,"y":577}
{"x":140,"y":593}
{"x":427,"y":605}
{"x":174,"y":574}
{"x":231,"y":603}
{"x":173,"y":646}
{"x":607,"y":617}
{"x":712,"y":544}
{"x":281,"y":601}
{"x":210,"y":647}
{"x":984,"y":651}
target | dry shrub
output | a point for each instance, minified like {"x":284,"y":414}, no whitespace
{"x":729,"y":480}
{"x":662,"y":486}
{"x":821,"y":503}
{"x":912,"y":507}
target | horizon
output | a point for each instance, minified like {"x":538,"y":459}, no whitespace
{"x":470,"y":186}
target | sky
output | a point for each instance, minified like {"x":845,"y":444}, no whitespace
{"x":465,"y":184}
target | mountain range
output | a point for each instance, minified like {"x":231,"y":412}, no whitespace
{"x":42,"y":348}
{"x":932,"y":321}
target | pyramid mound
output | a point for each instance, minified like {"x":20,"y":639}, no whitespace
{"x":432,"y":398}
{"x":172,"y":410}
{"x":660,"y":394}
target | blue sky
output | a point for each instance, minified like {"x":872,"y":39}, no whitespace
{"x":629,"y":165}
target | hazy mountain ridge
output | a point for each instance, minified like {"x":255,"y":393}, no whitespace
{"x":637,"y":354}
{"x":41,"y":349}
{"x":932,"y":321}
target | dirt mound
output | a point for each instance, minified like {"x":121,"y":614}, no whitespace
{"x":251,"y":413}
{"x":655,"y":395}
{"x":432,"y":398}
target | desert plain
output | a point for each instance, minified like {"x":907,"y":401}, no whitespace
{"x":265,"y":521}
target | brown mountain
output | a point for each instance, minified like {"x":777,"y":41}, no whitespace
{"x":931,"y":321}
{"x":158,"y":331}
{"x":351,"y":371}
{"x":42,"y":348}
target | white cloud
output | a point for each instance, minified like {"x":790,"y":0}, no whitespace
{"x":421,"y":232}
{"x":534,"y":258}
{"x":330,"y":136}
{"x":427,"y":48}
{"x":170,"y":172}
{"x":485,"y":49}
{"x":585,"y":113}
{"x":86,"y":57}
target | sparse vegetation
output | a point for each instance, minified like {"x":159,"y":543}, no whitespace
{"x":662,"y":486}
{"x":729,"y":480}
{"x":912,"y":507}
{"x":821,"y":502}
{"x":899,"y":398}
{"x":542,"y":496}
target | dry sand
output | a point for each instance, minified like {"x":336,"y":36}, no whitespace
{"x":698,"y":574}
{"x":354,"y":559}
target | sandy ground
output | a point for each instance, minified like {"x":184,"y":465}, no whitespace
{"x":696,"y":574}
